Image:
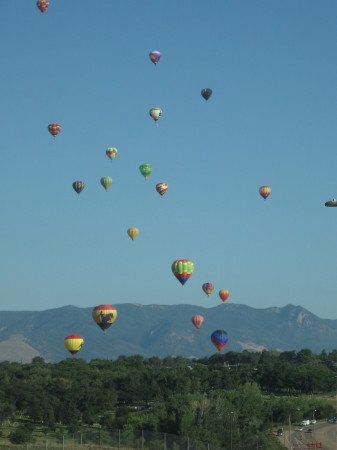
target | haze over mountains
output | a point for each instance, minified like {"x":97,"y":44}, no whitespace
{"x":162,"y":330}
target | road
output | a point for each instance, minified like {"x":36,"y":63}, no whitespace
{"x":322,"y":432}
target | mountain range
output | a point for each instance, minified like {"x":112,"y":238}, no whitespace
{"x":162,"y":330}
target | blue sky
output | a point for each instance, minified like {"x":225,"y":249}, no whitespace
{"x":271,"y":120}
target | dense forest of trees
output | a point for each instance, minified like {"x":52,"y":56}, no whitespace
{"x":206,"y":398}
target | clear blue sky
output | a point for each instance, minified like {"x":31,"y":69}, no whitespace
{"x":271,"y":120}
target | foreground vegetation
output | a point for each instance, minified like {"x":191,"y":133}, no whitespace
{"x":228,"y":397}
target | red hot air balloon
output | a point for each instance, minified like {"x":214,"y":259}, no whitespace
{"x":197,"y":321}
{"x":224,"y":294}
{"x":42,"y":5}
{"x":219,"y":338}
{"x":54,"y":129}
{"x":207,"y":288}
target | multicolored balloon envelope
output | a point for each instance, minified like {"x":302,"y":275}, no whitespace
{"x":42,"y":5}
{"x":155,"y":57}
{"x":206,"y":93}
{"x":106,"y":182}
{"x":197,"y":321}
{"x":156,"y":113}
{"x":104,"y":316}
{"x":208,"y":288}
{"x":145,"y":170}
{"x":264,"y":191}
{"x":111,"y":152}
{"x":54,"y":129}
{"x":161,"y":188}
{"x":224,"y":294}
{"x":78,"y":186}
{"x":219,"y":338}
{"x":133,"y":233}
{"x":182,"y":269}
{"x":73,"y":343}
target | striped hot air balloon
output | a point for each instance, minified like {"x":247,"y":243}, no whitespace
{"x":106,"y":182}
{"x":73,"y":343}
{"x":182,"y":269}
{"x":104,"y":316}
{"x":207,"y":288}
{"x":161,"y":188}
{"x":78,"y":186}
{"x":197,"y":321}
{"x":219,"y":338}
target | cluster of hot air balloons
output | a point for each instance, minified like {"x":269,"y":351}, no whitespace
{"x":103,"y":315}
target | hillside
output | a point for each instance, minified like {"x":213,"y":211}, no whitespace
{"x":161,"y":330}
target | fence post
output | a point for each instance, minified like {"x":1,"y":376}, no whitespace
{"x":142,"y":440}
{"x":46,"y":444}
{"x":208,"y":446}
{"x":81,"y":439}
{"x":119,"y":439}
{"x":188,"y":443}
{"x":63,"y":442}
{"x":99,"y":438}
{"x":164,"y":441}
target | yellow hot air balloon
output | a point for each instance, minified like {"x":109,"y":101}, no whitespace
{"x":104,"y":316}
{"x":264,"y":191}
{"x":133,"y":233}
{"x":73,"y":343}
{"x":106,"y":182}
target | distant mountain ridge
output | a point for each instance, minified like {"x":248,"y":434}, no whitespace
{"x":162,"y":330}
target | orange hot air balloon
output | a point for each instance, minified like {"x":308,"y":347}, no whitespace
{"x":197,"y":321}
{"x":42,"y":5}
{"x":54,"y":129}
{"x":264,"y":191}
{"x":224,"y":294}
{"x":73,"y":343}
{"x":207,"y":288}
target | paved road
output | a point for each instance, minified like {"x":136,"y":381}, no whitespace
{"x":322,"y":432}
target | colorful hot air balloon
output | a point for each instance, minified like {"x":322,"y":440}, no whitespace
{"x":73,"y":343}
{"x":78,"y":186}
{"x":197,"y":321}
{"x":145,"y":170}
{"x":161,"y":188}
{"x":155,"y":57}
{"x":42,"y":5}
{"x":224,"y":294}
{"x":264,"y":191}
{"x":156,"y":113}
{"x":133,"y":233}
{"x":111,"y":152}
{"x":54,"y":129}
{"x":208,"y":288}
{"x":331,"y":203}
{"x":219,"y":339}
{"x":104,"y":316}
{"x":106,"y":182}
{"x":206,"y":93}
{"x":182,"y":269}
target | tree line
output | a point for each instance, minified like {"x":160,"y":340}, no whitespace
{"x":230,"y":396}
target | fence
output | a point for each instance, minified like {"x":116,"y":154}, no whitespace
{"x":115,"y":440}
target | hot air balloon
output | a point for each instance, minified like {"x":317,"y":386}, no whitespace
{"x":106,"y":182}
{"x":224,"y":294}
{"x":42,"y":5}
{"x":219,"y":339}
{"x":182,"y":269}
{"x":104,"y":316}
{"x":206,"y":93}
{"x":156,"y":113}
{"x":331,"y":203}
{"x":78,"y":186}
{"x":133,"y":233}
{"x":111,"y":152}
{"x":208,"y":288}
{"x":161,"y":188}
{"x":155,"y":57}
{"x":54,"y":129}
{"x":264,"y":191}
{"x":73,"y":343}
{"x":145,"y":170}
{"x":197,"y":321}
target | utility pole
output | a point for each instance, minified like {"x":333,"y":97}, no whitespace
{"x":290,"y":445}
{"x":232,"y":430}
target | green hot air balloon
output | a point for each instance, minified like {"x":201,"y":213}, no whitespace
{"x":106,"y":182}
{"x":145,"y":170}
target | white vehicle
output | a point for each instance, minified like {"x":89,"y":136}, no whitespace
{"x":313,"y":421}
{"x":305,"y":422}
